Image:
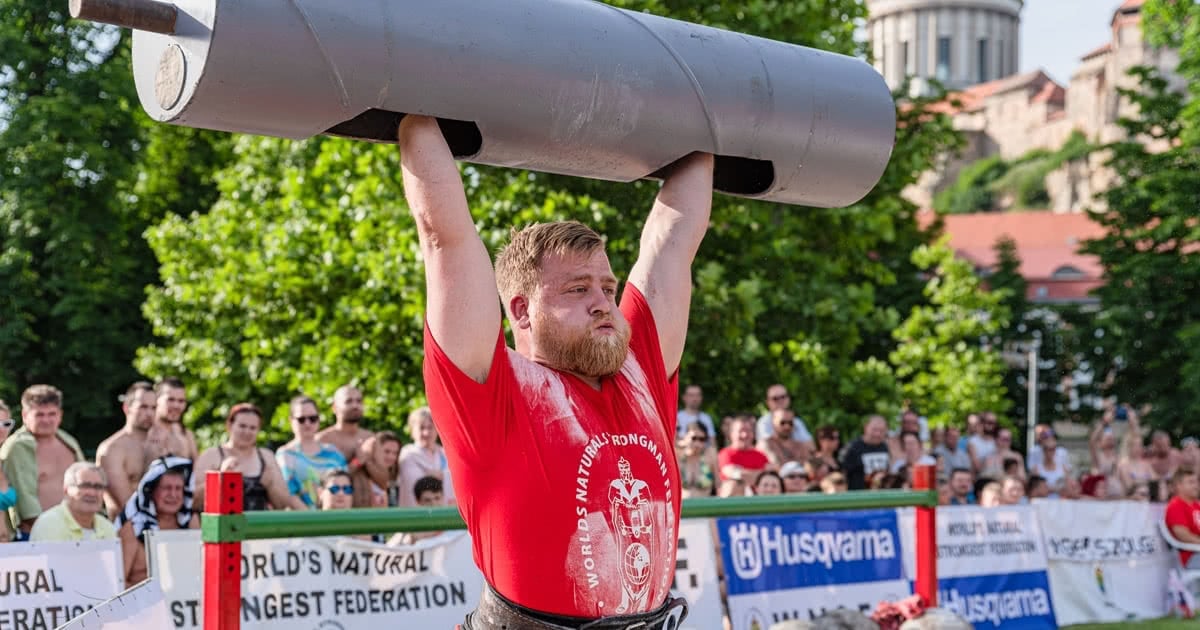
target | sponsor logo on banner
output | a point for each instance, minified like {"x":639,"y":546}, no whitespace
{"x":773,"y":553}
{"x":1088,"y":547}
{"x":328,"y":583}
{"x":45,"y":585}
{"x":1019,"y":600}
{"x":781,"y":568}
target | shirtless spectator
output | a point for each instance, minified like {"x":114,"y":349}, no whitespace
{"x":784,"y":445}
{"x":37,"y":455}
{"x":123,"y":456}
{"x":1163,"y":457}
{"x":346,"y":433}
{"x":740,"y":460}
{"x":168,"y":436}
{"x":8,"y":494}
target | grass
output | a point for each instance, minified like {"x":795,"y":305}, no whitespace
{"x":1154,"y":624}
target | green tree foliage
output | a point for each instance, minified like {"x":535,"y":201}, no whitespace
{"x":982,"y":185}
{"x":945,"y":369}
{"x":306,"y":274}
{"x":1149,"y":313}
{"x":72,"y":260}
{"x":82,"y":175}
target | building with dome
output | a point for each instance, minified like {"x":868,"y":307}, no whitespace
{"x":972,"y":47}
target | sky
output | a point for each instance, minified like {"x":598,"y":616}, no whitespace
{"x":1056,"y":33}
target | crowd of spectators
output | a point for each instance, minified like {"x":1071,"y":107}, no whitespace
{"x":150,"y":473}
{"x":978,"y":464}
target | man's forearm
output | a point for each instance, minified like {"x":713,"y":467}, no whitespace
{"x":432,"y":184}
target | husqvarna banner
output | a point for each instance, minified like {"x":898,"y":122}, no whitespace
{"x":991,"y":565}
{"x":798,"y":566}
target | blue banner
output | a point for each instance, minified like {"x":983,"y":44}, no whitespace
{"x":1012,"y":601}
{"x":771,"y":553}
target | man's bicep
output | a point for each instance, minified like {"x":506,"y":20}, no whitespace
{"x":462,"y":309}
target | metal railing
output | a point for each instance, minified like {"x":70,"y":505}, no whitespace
{"x":224,"y":526}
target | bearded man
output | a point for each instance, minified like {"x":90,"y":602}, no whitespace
{"x":560,"y":451}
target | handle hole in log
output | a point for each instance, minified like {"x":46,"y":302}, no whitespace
{"x":736,"y":175}
{"x":380,"y":125}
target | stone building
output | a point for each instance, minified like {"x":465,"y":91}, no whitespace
{"x":1012,"y":114}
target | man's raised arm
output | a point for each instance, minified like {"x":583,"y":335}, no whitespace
{"x":462,"y":305}
{"x":670,"y":238}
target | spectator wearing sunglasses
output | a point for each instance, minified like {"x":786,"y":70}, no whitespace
{"x":304,"y":461}
{"x":80,"y":515}
{"x":697,"y":461}
{"x":337,"y":490}
{"x":8,"y":494}
{"x":785,"y":443}
{"x":779,"y":398}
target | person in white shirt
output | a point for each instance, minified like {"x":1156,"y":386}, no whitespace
{"x":693,"y":397}
{"x":779,"y":398}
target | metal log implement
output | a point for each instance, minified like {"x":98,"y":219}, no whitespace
{"x":574,"y":87}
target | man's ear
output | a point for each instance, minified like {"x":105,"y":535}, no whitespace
{"x":518,"y":309}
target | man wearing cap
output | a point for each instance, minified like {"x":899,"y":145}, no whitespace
{"x":795,"y":478}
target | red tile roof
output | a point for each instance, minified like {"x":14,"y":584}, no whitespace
{"x":972,"y":98}
{"x":1097,"y":51}
{"x":1046,"y":241}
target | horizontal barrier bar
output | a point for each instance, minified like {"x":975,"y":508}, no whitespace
{"x":292,"y":524}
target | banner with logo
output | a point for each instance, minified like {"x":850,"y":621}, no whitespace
{"x":1107,"y":561}
{"x":138,"y":608}
{"x":328,"y":583}
{"x":44,"y":585}
{"x":991,"y":565}
{"x":799,"y":566}
{"x":696,"y":575}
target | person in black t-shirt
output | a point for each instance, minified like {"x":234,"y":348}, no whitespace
{"x":867,"y":454}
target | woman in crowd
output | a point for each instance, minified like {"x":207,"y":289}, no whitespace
{"x":8,"y":494}
{"x":697,"y":461}
{"x":989,"y":494}
{"x":375,"y":480}
{"x":1053,"y":463}
{"x":768,"y":482}
{"x":163,"y":501}
{"x":828,"y":445}
{"x":262,"y":483}
{"x":834,"y":483}
{"x":304,"y":460}
{"x":1133,"y":469}
{"x":423,"y":458}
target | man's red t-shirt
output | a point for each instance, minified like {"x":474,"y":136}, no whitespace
{"x":751,"y":459}
{"x":1186,"y":513}
{"x":570,"y":494}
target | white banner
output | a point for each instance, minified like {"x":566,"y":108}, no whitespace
{"x":44,"y":585}
{"x":991,"y":565}
{"x":139,"y":608}
{"x":1107,"y":561}
{"x":979,"y":541}
{"x":328,"y":582}
{"x":696,"y":575}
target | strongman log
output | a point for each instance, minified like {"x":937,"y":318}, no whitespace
{"x":562,"y":86}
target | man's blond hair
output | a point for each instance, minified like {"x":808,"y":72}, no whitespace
{"x":519,"y":263}
{"x":38,"y":395}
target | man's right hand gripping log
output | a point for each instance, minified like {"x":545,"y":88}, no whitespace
{"x":560,"y":449}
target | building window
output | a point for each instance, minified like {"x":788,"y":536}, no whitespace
{"x":983,"y":61}
{"x":1000,"y":59}
{"x":907,"y":61}
{"x":943,"y":59}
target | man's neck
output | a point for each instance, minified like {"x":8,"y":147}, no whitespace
{"x":694,"y":412}
{"x":347,"y":426}
{"x":136,"y":432}
{"x":45,"y":439}
{"x":168,"y":424}
{"x":86,"y":520}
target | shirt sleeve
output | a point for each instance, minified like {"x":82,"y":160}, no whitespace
{"x":20,"y":466}
{"x":288,"y":473}
{"x":472,"y":418}
{"x":644,"y":344}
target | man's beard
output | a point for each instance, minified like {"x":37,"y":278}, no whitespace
{"x":581,"y":352}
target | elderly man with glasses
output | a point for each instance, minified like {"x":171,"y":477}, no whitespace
{"x":80,"y":514}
